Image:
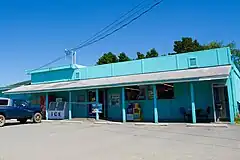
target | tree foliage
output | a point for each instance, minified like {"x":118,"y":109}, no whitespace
{"x":140,"y":55}
{"x":152,"y":53}
{"x":107,"y":58}
{"x":187,"y":44}
{"x":123,"y":57}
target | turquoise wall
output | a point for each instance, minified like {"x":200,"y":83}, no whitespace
{"x":52,"y":76}
{"x":79,"y":110}
{"x":114,"y":111}
{"x":168,"y":109}
{"x":205,"y":58}
{"x":1,"y":94}
{"x":236,"y":88}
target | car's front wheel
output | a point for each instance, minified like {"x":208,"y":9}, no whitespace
{"x":37,"y":118}
{"x":2,"y":120}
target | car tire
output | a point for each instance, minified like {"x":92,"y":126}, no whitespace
{"x":23,"y":121}
{"x":2,"y":120}
{"x":37,"y":118}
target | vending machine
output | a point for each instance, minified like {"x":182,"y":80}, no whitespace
{"x":137,"y":112}
{"x":134,"y":112}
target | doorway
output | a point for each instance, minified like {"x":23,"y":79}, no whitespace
{"x":221,"y":103}
{"x":101,"y":99}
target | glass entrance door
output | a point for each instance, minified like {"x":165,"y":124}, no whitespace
{"x":91,"y":99}
{"x":221,"y":102}
{"x":101,"y":99}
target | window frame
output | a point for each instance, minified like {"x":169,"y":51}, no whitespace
{"x":7,"y":100}
{"x":142,"y":89}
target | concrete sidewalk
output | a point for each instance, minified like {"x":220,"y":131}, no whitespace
{"x":105,"y":122}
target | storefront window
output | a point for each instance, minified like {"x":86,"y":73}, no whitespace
{"x":91,"y":96}
{"x":135,"y":93}
{"x":164,"y":91}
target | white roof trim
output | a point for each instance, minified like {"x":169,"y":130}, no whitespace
{"x":197,"y":74}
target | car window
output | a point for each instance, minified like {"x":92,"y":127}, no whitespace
{"x":20,"y":103}
{"x":3,"y":102}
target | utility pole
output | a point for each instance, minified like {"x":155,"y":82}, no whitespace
{"x":73,"y":54}
{"x":74,"y":57}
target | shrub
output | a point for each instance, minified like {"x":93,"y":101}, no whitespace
{"x":237,"y":119}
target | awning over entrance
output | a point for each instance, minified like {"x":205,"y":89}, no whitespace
{"x":197,"y":74}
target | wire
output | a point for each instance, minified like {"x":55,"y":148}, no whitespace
{"x":112,"y":27}
{"x":96,"y":34}
{"x":93,"y":39}
{"x":45,"y":65}
{"x":126,"y":24}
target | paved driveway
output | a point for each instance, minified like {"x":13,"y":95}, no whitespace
{"x":55,"y":141}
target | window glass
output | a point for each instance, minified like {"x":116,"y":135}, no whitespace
{"x":3,"y":102}
{"x":20,"y":103}
{"x":91,"y":96}
{"x":135,"y":93}
{"x":164,"y":91}
{"x":77,"y":75}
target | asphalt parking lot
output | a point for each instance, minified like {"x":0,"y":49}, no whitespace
{"x":61,"y":141}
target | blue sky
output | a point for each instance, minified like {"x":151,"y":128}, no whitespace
{"x":33,"y":33}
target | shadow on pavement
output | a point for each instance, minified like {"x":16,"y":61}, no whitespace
{"x":7,"y":124}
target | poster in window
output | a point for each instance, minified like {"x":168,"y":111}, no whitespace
{"x":115,"y":100}
{"x":150,"y":93}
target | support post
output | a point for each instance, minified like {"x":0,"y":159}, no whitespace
{"x":104,"y":103}
{"x":46,"y":104}
{"x":214,"y":107}
{"x":97,"y":102}
{"x":155,"y":103}
{"x":230,"y":99}
{"x":70,"y":106}
{"x":123,"y":105}
{"x":193,"y":103}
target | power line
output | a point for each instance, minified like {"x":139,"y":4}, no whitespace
{"x":68,"y":52}
{"x":126,"y":24}
{"x":45,"y":65}
{"x":105,"y":28}
{"x":93,"y":39}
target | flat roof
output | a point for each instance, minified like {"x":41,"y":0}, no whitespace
{"x":71,"y":66}
{"x":197,"y":74}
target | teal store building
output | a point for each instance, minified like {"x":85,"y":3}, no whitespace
{"x":201,"y":86}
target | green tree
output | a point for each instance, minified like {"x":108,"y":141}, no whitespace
{"x":187,"y":44}
{"x":107,"y":58}
{"x":123,"y":57}
{"x":152,"y":53}
{"x":140,"y":55}
{"x":213,"y":45}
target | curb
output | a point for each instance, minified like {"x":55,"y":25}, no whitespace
{"x":208,"y":125}
{"x":60,"y":121}
{"x":49,"y":121}
{"x":69,"y":121}
{"x":109,"y":123}
{"x":151,"y":124}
